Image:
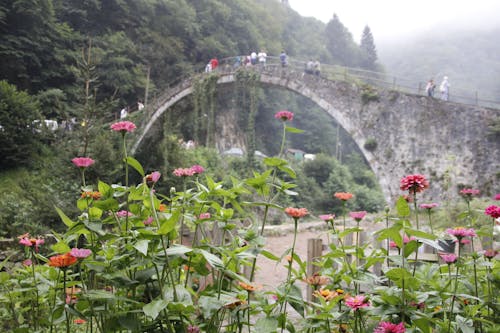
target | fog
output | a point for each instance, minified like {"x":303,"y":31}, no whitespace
{"x":390,"y":20}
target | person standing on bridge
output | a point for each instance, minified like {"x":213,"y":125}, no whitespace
{"x":214,"y":63}
{"x":283,"y":59}
{"x":444,"y":89}
{"x":262,"y":59}
{"x":430,"y":88}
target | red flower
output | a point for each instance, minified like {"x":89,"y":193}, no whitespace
{"x":296,"y":212}
{"x":123,"y":126}
{"x":83,"y":162}
{"x":493,"y":211}
{"x":62,"y":261}
{"x":79,"y":321}
{"x":414,"y":183}
{"x":344,"y":196}
{"x":387,"y":327}
{"x":284,"y":115}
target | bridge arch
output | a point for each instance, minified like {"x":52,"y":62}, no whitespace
{"x":405,"y":127}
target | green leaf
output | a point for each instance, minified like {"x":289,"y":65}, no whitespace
{"x":423,"y":324}
{"x":293,"y":130}
{"x":60,"y":247}
{"x":391,"y":233}
{"x":399,"y":274}
{"x":66,"y":220}
{"x":402,"y":207}
{"x":82,"y":203}
{"x":95,"y":213}
{"x":212,"y":259}
{"x":178,"y":250}
{"x":420,"y":234}
{"x":266,"y":325}
{"x":169,"y":224}
{"x":154,"y":308}
{"x":142,"y":246}
{"x":295,"y":299}
{"x":103,"y":188}
{"x":410,"y":247}
{"x":269,"y":255}
{"x":288,"y":170}
{"x":135,"y":164}
{"x":274,"y":161}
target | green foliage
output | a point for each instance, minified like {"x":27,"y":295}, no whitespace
{"x":18,"y":137}
{"x":370,"y":144}
{"x":369,"y":94}
{"x":368,"y":50}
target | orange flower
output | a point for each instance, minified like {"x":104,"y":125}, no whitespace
{"x":79,"y":321}
{"x":344,"y":196}
{"x":248,"y":287}
{"x":296,"y":212}
{"x":96,"y":195}
{"x":326,"y":294}
{"x":62,"y":261}
{"x":234,"y":304}
{"x":162,"y":207}
{"x":317,"y":280}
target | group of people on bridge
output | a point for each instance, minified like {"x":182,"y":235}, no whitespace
{"x":444,"y":88}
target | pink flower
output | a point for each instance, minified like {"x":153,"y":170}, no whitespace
{"x":490,"y":254}
{"x":193,"y":329}
{"x":80,"y":253}
{"x":465,"y":241}
{"x":428,"y":205}
{"x":197,"y":169}
{"x":358,"y":216}
{"x":327,"y":217}
{"x":469,"y":192}
{"x":414,"y":183}
{"x":296,"y":212}
{"x":392,"y":244}
{"x":461,"y":232}
{"x":406,"y":240}
{"x":204,"y":216}
{"x":153,"y":176}
{"x":82,"y":162}
{"x":357,"y":302}
{"x":27,"y":262}
{"x":497,"y":196}
{"x":148,"y":221}
{"x":284,"y":115}
{"x":493,"y":211}
{"x":448,"y":258}
{"x":123,"y":126}
{"x":387,"y":327}
{"x":28,"y":241}
{"x":123,"y":213}
{"x":180,"y":172}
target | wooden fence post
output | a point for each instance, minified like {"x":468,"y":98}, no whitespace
{"x":314,"y":251}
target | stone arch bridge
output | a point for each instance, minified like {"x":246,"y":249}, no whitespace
{"x":452,"y":144}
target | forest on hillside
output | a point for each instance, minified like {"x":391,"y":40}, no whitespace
{"x":79,"y":62}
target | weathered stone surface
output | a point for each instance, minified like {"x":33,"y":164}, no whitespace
{"x":447,"y":142}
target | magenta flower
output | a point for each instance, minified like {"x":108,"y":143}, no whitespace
{"x":193,"y":329}
{"x":428,"y":205}
{"x":490,"y":254}
{"x":123,"y":126}
{"x":148,"y":221}
{"x":82,"y":162}
{"x":387,"y":327}
{"x":153,"y":176}
{"x":406,"y":240}
{"x":357,"y":302}
{"x":284,"y":115}
{"x":468,"y":193}
{"x":204,"y":216}
{"x":358,"y":216}
{"x":197,"y":169}
{"x":80,"y":253}
{"x":414,"y":183}
{"x":123,"y":213}
{"x":461,"y":232}
{"x":497,"y":196}
{"x":327,"y":217}
{"x":180,"y":172}
{"x":465,"y":241}
{"x":392,"y":244}
{"x":493,"y":211}
{"x":31,"y":242}
{"x":448,"y":258}
{"x":27,"y":262}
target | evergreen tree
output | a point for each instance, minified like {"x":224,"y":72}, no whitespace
{"x":368,"y":50}
{"x":340,"y":43}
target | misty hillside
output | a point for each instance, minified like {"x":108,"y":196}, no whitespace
{"x":469,"y":58}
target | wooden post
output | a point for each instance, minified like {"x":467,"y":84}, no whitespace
{"x":314,"y":251}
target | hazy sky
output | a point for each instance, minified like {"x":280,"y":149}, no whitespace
{"x":394,"y":18}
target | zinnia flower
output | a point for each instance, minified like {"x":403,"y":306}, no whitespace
{"x":197,"y":169}
{"x":284,"y":115}
{"x":428,"y":205}
{"x":387,"y":327}
{"x":82,"y":162}
{"x":193,"y":329}
{"x":96,"y":195}
{"x":469,"y":192}
{"x":327,"y":217}
{"x":123,"y":126}
{"x":148,"y":221}
{"x":344,"y":196}
{"x":493,"y":211}
{"x":461,"y":232}
{"x":123,"y":213}
{"x":326,"y":294}
{"x":317,"y":280}
{"x":490,"y":254}
{"x":448,"y":258}
{"x":497,"y":196}
{"x":414,"y":183}
{"x":62,"y":260}
{"x":28,"y":241}
{"x":27,"y":262}
{"x":357,"y":302}
{"x":204,"y":216}
{"x":80,"y":253}
{"x":183,"y":172}
{"x":296,"y":212}
{"x":79,"y":321}
{"x":153,"y":176}
{"x":248,"y":287}
{"x":358,"y":216}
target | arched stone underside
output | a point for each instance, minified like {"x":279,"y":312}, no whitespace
{"x":449,"y":143}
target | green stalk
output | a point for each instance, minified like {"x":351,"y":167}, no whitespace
{"x":289,"y":275}
{"x":455,"y":290}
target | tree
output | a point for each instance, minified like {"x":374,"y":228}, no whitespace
{"x":340,"y":43}
{"x":18,"y":139}
{"x":368,"y":50}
